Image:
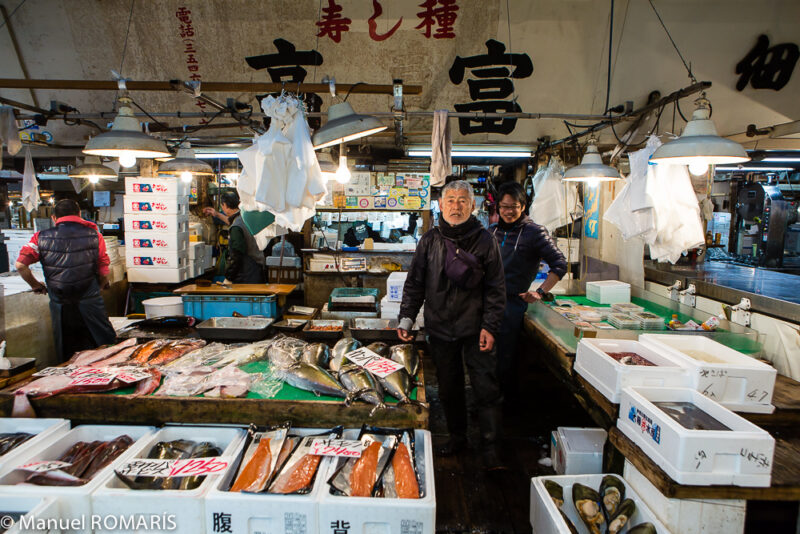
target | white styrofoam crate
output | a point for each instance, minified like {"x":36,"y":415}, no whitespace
{"x":577,"y":451}
{"x":116,"y":271}
{"x":268,"y":512}
{"x":196,"y":249}
{"x":156,"y":259}
{"x":741,"y":383}
{"x":394,"y":286}
{"x":741,"y":456}
{"x":608,"y":291}
{"x":545,"y":518}
{"x":187,"y":507}
{"x":152,"y":186}
{"x":44,"y":430}
{"x":149,"y":275}
{"x":571,"y":248}
{"x":35,"y":510}
{"x":147,"y":222}
{"x":609,"y":376}
{"x":135,"y":204}
{"x":688,"y":516}
{"x":367,"y":515}
{"x":75,"y":501}
{"x":172,"y":241}
{"x":208,"y":257}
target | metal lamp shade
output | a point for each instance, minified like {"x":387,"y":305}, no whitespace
{"x":185,"y":162}
{"x":700,"y":143}
{"x":92,"y":167}
{"x":591,"y":168}
{"x":345,"y":125}
{"x":125,"y":138}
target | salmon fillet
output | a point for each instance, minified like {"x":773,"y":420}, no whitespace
{"x":300,"y":476}
{"x":362,"y":479}
{"x":254,"y":475}
{"x":405,"y":478}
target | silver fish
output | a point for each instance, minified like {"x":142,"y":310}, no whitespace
{"x":361,"y":385}
{"x":312,"y":378}
{"x":342,"y":347}
{"x":88,"y":357}
{"x":398,"y":385}
{"x":316,"y":354}
{"x":379,"y":348}
{"x":245,"y":354}
{"x":407,"y":355}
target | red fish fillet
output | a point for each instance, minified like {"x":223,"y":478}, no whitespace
{"x":255,"y":474}
{"x":144,"y":352}
{"x":148,"y":385}
{"x":298,"y":477}
{"x":365,"y":472}
{"x":405,"y":479}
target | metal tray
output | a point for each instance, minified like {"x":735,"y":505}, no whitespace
{"x":18,"y":365}
{"x":366,"y":329}
{"x":290,"y":325}
{"x":235,"y":328}
{"x":323,"y":334}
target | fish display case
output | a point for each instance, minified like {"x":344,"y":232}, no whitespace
{"x":16,"y":513}
{"x":267,"y":512}
{"x":75,"y":500}
{"x":567,"y":334}
{"x":38,"y":429}
{"x":366,"y":515}
{"x":547,"y":517}
{"x":186,"y":506}
{"x":738,"y":382}
{"x":695,"y":440}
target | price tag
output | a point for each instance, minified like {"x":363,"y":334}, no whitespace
{"x":55,"y":371}
{"x":349,"y":448}
{"x":91,"y":376}
{"x":373,"y":362}
{"x":129,"y":375}
{"x":43,"y":466}
{"x":188,"y":467}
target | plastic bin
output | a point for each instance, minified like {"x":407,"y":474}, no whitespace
{"x":207,"y":306}
{"x":394,"y":286}
{"x":44,"y":429}
{"x":577,"y":451}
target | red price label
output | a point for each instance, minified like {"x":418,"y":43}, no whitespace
{"x":347,"y":448}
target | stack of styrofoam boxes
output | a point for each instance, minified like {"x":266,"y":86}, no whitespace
{"x":15,"y":240}
{"x":116,"y":257}
{"x":30,"y":511}
{"x":577,"y":451}
{"x":156,"y":229}
{"x":186,"y":507}
{"x":390,"y":304}
{"x":545,"y":516}
{"x":42,"y":429}
{"x":366,"y":515}
{"x":608,"y":291}
{"x":197,"y":258}
{"x":75,"y":501}
{"x":570,"y":248}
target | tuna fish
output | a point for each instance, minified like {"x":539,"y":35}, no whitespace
{"x":312,"y":378}
{"x":342,"y":347}
{"x":408,"y":356}
{"x":398,"y":385}
{"x":316,"y":354}
{"x":361,"y":385}
{"x":380,"y":348}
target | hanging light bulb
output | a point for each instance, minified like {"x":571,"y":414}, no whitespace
{"x":698,"y":168}
{"x":127,"y":160}
{"x":52,"y":200}
{"x":93,"y":178}
{"x":186,"y":177}
{"x":185,"y":165}
{"x":342,"y":173}
{"x":591,"y":169}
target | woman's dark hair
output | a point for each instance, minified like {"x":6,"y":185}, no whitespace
{"x":514,"y":190}
{"x":230,"y":199}
{"x":66,"y":207}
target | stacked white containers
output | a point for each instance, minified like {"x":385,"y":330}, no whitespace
{"x":157,"y":229}
{"x":15,"y":240}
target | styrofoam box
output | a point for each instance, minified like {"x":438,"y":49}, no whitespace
{"x":43,"y":429}
{"x":160,"y":224}
{"x":268,"y":512}
{"x":545,"y":518}
{"x":157,"y":241}
{"x":394,"y":286}
{"x":208,"y":257}
{"x":608,"y":291}
{"x":741,"y":456}
{"x":151,"y":186}
{"x":196,"y":249}
{"x":75,"y":501}
{"x":741,"y":383}
{"x":577,"y":451}
{"x":149,"y":275}
{"x":135,"y":204}
{"x":609,"y":376}
{"x":34,"y":510}
{"x":368,"y":515}
{"x":186,"y":506}
{"x":156,"y":259}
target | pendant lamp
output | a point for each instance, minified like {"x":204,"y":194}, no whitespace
{"x":699,"y":145}
{"x":591,"y":168}
{"x":93,"y":170}
{"x":185,"y":165}
{"x":345,"y":125}
{"x":126,"y":140}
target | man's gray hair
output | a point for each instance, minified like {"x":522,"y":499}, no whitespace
{"x":459,"y":185}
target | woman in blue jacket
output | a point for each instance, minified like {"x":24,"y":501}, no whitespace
{"x":523,"y":245}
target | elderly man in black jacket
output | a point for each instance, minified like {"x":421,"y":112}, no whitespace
{"x":457,"y":272}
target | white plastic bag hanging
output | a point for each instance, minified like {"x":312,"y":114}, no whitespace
{"x":30,"y":186}
{"x":555,"y":203}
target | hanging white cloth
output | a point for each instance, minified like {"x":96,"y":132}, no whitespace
{"x":555,"y":203}
{"x":30,"y":187}
{"x":441,"y":146}
{"x":9,"y":134}
{"x":635,"y":221}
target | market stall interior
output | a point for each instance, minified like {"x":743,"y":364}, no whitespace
{"x":513,"y":266}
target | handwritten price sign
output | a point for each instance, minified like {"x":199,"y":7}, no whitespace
{"x":91,"y":376}
{"x":129,"y":375}
{"x":373,"y":362}
{"x":43,"y":467}
{"x":54,"y":371}
{"x":349,"y":448}
{"x":189,"y":467}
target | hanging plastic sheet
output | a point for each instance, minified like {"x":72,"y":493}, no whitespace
{"x":555,"y":203}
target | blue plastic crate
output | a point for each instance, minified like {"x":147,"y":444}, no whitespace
{"x":206,"y":306}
